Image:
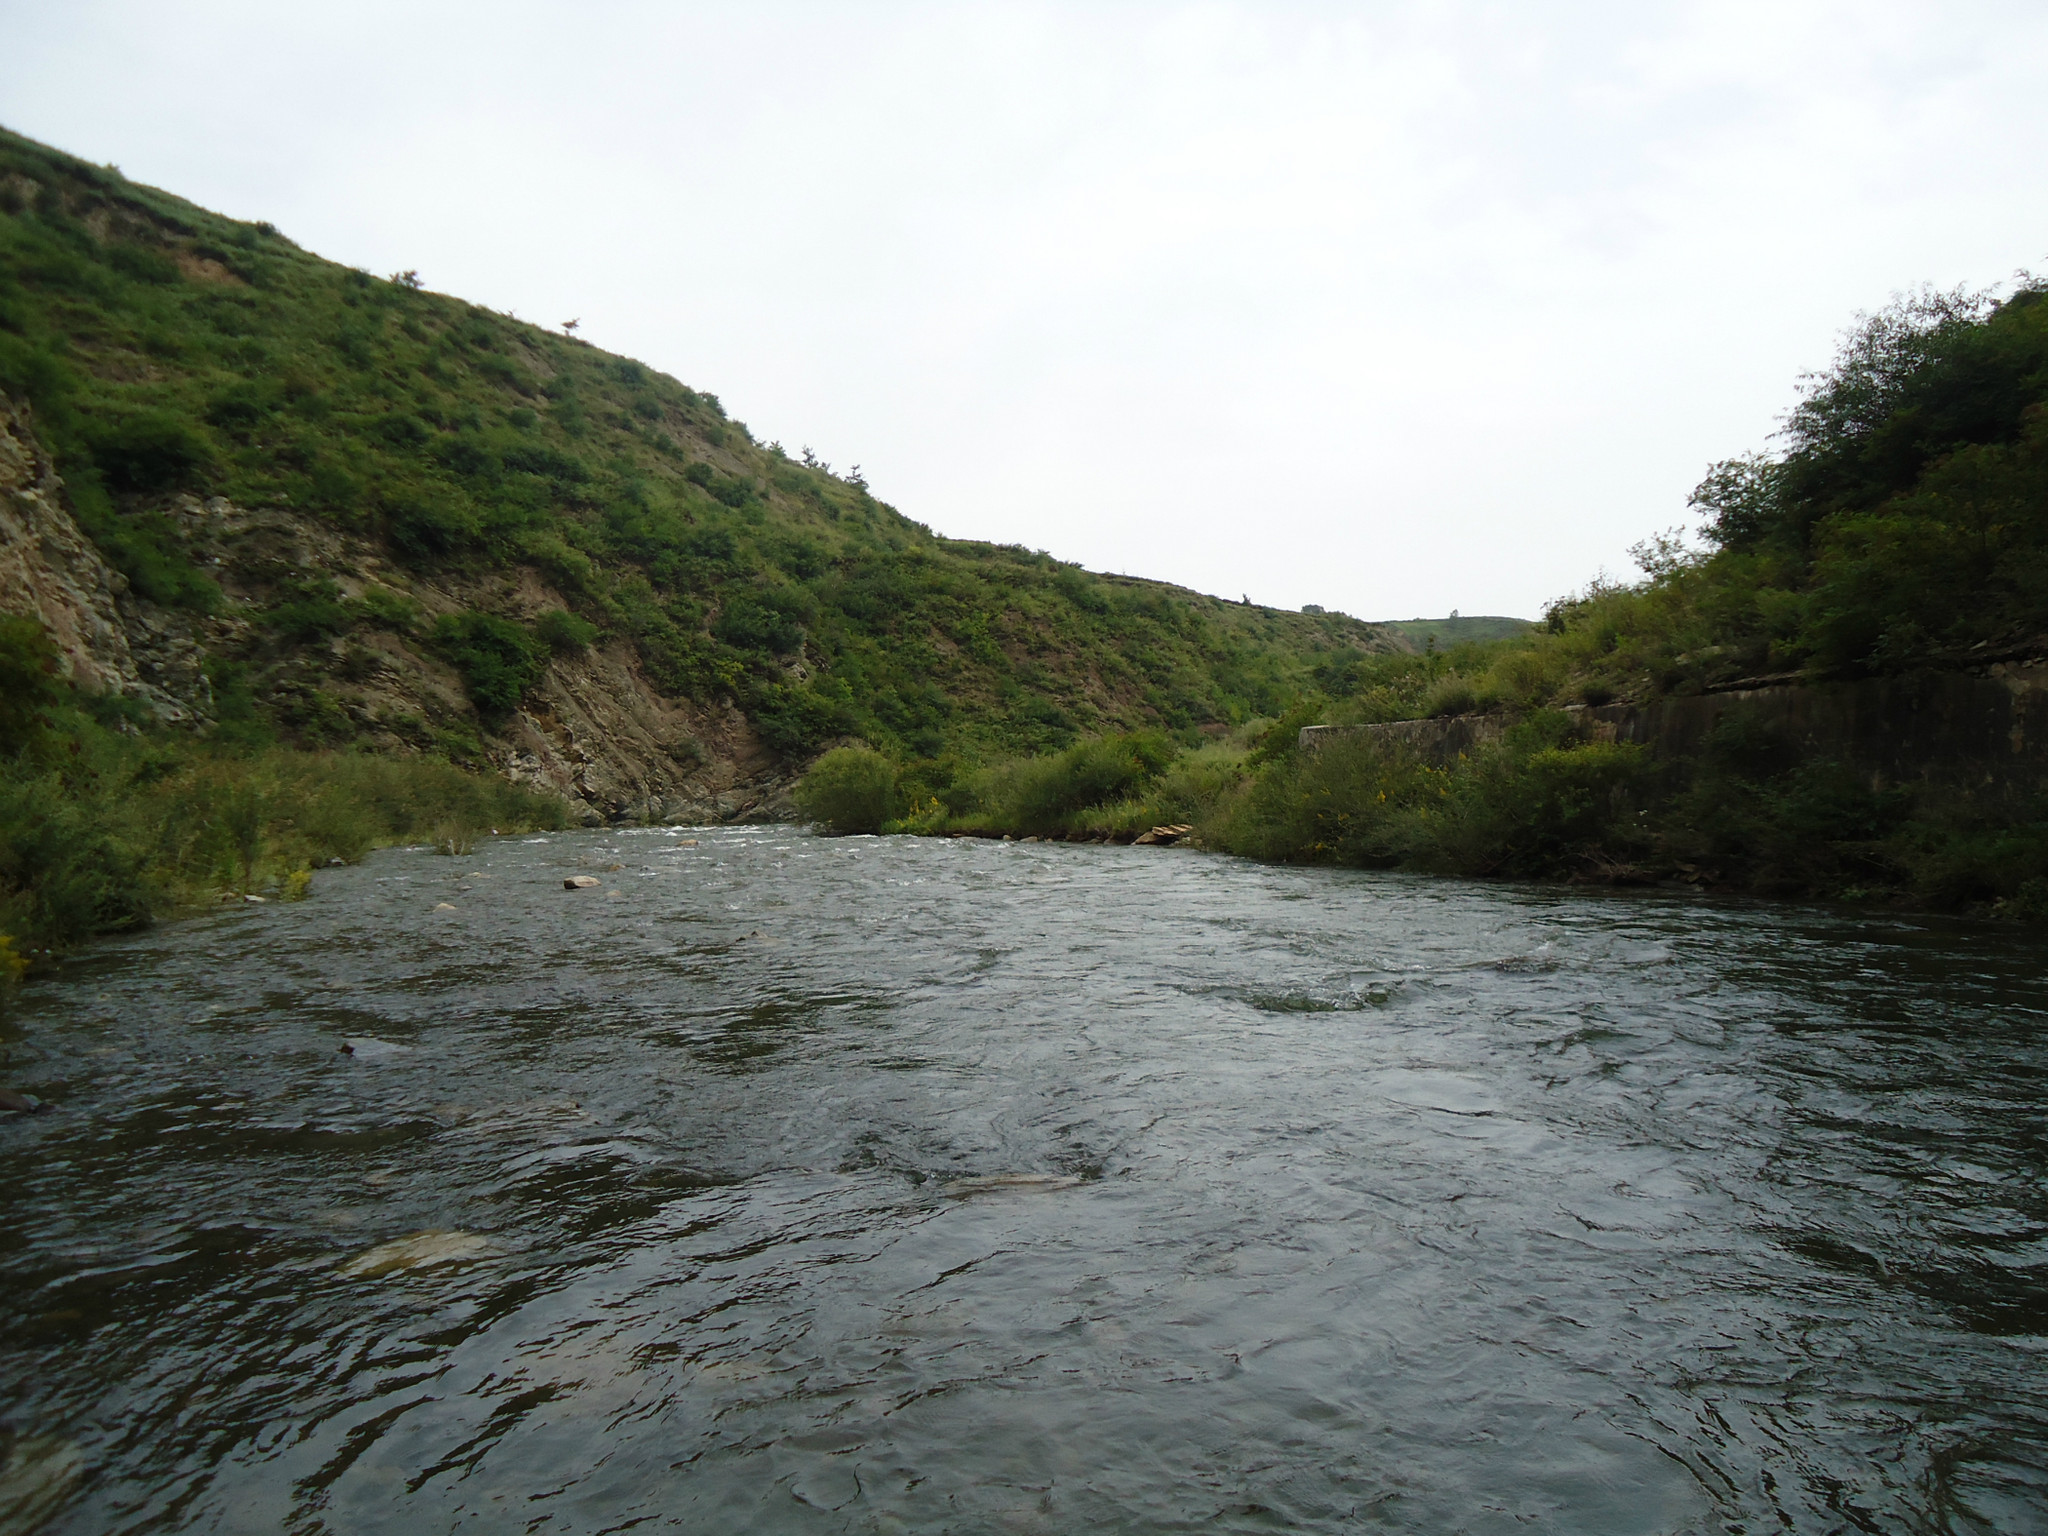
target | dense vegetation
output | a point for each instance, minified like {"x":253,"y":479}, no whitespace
{"x":1903,"y":526}
{"x":104,"y":827}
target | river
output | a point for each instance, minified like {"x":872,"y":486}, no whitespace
{"x":894,"y":1185}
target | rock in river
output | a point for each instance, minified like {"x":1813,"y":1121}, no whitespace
{"x":999,"y":1181}
{"x":581,"y":882}
{"x":15,"y":1103}
{"x":416,"y":1252}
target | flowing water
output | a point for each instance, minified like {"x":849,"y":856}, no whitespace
{"x":789,"y":1184}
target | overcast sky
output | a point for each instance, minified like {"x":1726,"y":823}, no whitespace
{"x":1396,"y":308}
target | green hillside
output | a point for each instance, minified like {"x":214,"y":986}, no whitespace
{"x":1455,"y":630}
{"x":167,"y":349}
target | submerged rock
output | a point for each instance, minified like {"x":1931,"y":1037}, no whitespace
{"x":13,"y":1102}
{"x":36,"y":1479}
{"x":419,"y":1251}
{"x":994,"y":1182}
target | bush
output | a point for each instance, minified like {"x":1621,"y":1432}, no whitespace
{"x":1042,"y":794}
{"x":29,"y":682}
{"x":1540,"y":803}
{"x":152,"y":450}
{"x":850,"y":789}
{"x":145,"y":266}
{"x":430,"y":522}
{"x":145,"y":548}
{"x":563,"y":633}
{"x":388,"y":609}
{"x":771,"y":621}
{"x":498,"y":660}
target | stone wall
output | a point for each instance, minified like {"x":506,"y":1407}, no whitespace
{"x":1981,"y":732}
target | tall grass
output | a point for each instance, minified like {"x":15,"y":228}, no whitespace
{"x":103,"y":829}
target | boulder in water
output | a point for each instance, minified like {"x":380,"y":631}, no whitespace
{"x":1162,"y":836}
{"x":581,"y":882}
{"x":13,"y":1102}
{"x":419,"y":1251}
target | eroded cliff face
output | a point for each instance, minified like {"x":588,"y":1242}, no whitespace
{"x":51,"y":571}
{"x":594,"y":730}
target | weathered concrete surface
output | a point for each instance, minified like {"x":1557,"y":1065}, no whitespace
{"x":1983,"y":731}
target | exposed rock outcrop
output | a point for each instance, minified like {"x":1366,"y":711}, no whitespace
{"x":594,"y":729}
{"x":50,"y":569}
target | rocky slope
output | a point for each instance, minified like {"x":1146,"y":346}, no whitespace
{"x":593,"y":730}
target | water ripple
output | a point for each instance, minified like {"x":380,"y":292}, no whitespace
{"x":891,"y":1185}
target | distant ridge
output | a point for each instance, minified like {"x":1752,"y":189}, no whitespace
{"x":1456,"y":629}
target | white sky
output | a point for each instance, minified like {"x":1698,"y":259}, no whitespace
{"x":1395,"y":308}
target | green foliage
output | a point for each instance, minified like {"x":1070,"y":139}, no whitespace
{"x":309,"y":611}
{"x":1541,"y":803}
{"x":850,"y":789}
{"x":388,"y":609}
{"x":563,"y":633}
{"x":29,"y":682}
{"x":1905,"y":525}
{"x":104,"y":826}
{"x":771,"y":621}
{"x":498,"y":659}
{"x":149,"y":450}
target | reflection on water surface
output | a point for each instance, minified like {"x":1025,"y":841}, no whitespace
{"x":897,"y":1185}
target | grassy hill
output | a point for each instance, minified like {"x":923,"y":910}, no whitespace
{"x":1455,"y":630}
{"x":169,"y":350}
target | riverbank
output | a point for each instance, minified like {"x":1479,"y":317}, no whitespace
{"x":108,"y":824}
{"x":1536,"y":797}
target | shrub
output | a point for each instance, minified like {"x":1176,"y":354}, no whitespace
{"x":145,"y":548}
{"x":430,"y":522}
{"x":388,"y":609}
{"x":1540,"y":803}
{"x":29,"y":682}
{"x":771,"y":620}
{"x":310,"y":612}
{"x":150,"y":450}
{"x":850,"y":789}
{"x":1049,"y":794}
{"x":498,"y":660}
{"x":563,"y":633}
